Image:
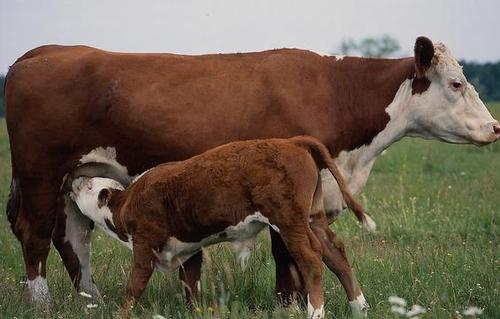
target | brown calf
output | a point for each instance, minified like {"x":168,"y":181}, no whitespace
{"x":229,"y":193}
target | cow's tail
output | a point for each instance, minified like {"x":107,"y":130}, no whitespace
{"x":13,"y":202}
{"x":323,"y":159}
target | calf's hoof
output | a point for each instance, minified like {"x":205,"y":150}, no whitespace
{"x":359,"y":307}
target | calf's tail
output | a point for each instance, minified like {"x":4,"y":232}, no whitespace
{"x":323,"y":159}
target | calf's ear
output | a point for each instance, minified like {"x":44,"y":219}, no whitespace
{"x":424,"y":52}
{"x":103,"y":197}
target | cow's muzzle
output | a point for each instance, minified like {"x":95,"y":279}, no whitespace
{"x":496,"y":129}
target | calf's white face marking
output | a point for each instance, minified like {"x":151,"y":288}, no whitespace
{"x":85,"y":193}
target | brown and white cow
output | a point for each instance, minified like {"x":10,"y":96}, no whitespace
{"x":229,"y":193}
{"x":63,"y":102}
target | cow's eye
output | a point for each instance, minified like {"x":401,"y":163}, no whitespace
{"x":456,"y":85}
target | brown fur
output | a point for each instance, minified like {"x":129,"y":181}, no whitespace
{"x":204,"y":195}
{"x":63,"y":101}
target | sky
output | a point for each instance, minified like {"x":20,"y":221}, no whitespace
{"x":213,"y":26}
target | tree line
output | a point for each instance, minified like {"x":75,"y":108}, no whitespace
{"x":484,"y":76}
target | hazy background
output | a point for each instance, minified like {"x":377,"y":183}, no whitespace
{"x":468,"y":27}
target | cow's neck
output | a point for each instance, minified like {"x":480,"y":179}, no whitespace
{"x":356,"y":162}
{"x":365,"y":92}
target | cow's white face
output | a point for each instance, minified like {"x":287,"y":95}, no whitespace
{"x":450,"y":108}
{"x":87,"y":193}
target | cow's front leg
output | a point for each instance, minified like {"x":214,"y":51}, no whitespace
{"x":71,"y":237}
{"x":190,"y":273}
{"x":289,"y":283}
{"x":335,"y":258}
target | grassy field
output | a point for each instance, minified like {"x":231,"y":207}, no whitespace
{"x":438,"y":245}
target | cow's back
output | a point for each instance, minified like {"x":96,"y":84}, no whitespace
{"x":61,"y":102}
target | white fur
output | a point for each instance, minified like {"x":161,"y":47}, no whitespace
{"x":438,"y":113}
{"x":369,"y":223}
{"x":78,"y":235}
{"x":38,"y":290}
{"x":242,"y":235}
{"x":85,"y":193}
{"x":359,"y":306}
{"x":244,"y":249}
{"x":320,"y":53}
{"x":313,"y":313}
{"x":446,"y":114}
{"x":104,"y":155}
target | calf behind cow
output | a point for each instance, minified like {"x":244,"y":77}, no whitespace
{"x":229,"y":193}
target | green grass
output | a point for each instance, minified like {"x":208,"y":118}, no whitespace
{"x":438,"y":245}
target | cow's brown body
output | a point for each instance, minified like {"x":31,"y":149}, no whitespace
{"x":174,"y":209}
{"x":61,"y":102}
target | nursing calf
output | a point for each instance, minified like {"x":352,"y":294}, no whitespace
{"x":229,"y":193}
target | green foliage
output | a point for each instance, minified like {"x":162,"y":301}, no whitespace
{"x":2,"y":81}
{"x":437,"y":244}
{"x":376,"y":47}
{"x":485,"y":77}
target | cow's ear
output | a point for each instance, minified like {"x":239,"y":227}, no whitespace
{"x":103,"y":197}
{"x":424,"y":52}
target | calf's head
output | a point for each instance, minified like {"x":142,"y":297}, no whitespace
{"x":443,"y":104}
{"x":92,"y":196}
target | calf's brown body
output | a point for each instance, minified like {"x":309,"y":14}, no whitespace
{"x":193,"y":200}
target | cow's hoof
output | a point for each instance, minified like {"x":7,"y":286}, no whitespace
{"x":37,"y":293}
{"x":90,"y":292}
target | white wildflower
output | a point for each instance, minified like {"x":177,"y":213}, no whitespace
{"x":91,"y":306}
{"x":398,"y":310}
{"x":415,"y":310}
{"x":158,"y":317}
{"x":84,"y":294}
{"x":395,"y":300}
{"x":473,"y":311}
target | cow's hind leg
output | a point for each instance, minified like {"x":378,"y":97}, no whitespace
{"x":71,"y":238}
{"x":33,"y":226}
{"x":335,"y":258}
{"x":190,"y":273}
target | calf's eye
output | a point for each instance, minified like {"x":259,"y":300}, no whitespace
{"x":456,"y":85}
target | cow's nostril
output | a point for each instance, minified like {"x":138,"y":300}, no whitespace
{"x":496,"y":128}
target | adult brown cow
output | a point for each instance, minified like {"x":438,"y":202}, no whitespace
{"x":63,"y":102}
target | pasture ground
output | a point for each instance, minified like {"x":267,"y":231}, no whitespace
{"x":437,"y":207}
